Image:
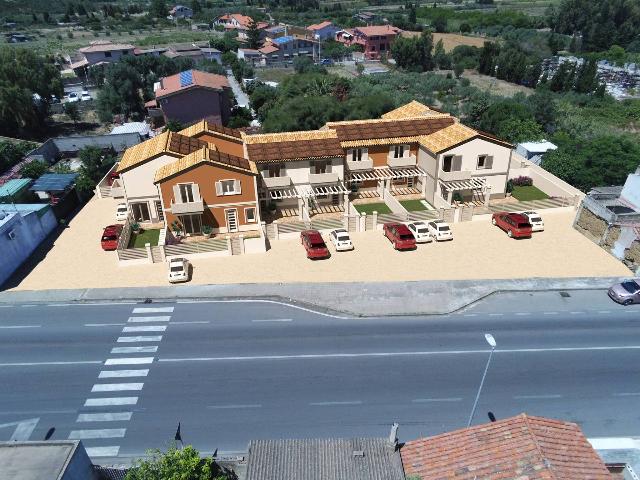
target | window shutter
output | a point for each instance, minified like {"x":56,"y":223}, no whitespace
{"x":488,"y":162}
{"x":328,"y":170}
{"x":176,"y":194}
{"x":237,"y":188}
{"x":196,"y":191}
{"x":265,"y":172}
{"x":457,"y":163}
{"x":219,"y":188}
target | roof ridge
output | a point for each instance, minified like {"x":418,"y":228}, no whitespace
{"x":546,"y":463}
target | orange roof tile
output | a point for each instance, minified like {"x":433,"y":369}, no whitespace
{"x":378,"y":30}
{"x":319,"y":26}
{"x":170,"y":85}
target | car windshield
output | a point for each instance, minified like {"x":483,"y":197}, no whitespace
{"x":422,"y":230}
{"x":536,"y":219}
{"x":109,"y":237}
{"x":406,"y":236}
{"x":631,"y":287}
{"x":176,"y":268}
{"x":443,"y":228}
{"x":318,"y":244}
{"x":343,"y":238}
{"x":524,"y":225}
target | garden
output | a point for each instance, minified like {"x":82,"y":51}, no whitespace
{"x":522,"y":189}
{"x":369,"y":208}
{"x":140,"y":237}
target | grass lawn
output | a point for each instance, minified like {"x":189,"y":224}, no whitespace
{"x":528,"y":193}
{"x":145,"y":236}
{"x":369,"y":208}
{"x":413,"y":205}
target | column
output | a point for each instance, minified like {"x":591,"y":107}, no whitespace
{"x":241,"y":237}
{"x":423,"y":187}
{"x":487,"y":195}
{"x":229,"y":248}
{"x":375,"y":219}
{"x":301,"y":204}
{"x":449,"y":195}
{"x":147,"y":247}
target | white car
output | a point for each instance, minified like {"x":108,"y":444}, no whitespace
{"x":73,"y":97}
{"x":420,"y":232}
{"x":121,"y":211}
{"x":341,"y":240}
{"x":178,"y":270}
{"x":537,"y":225}
{"x":85,"y":95}
{"x":440,"y":230}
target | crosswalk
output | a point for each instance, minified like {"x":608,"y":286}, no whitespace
{"x":107,"y":404}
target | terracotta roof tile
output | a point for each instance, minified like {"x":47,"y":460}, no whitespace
{"x":378,"y":30}
{"x":534,"y":448}
{"x":204,"y":126}
{"x":274,"y":147}
{"x":170,"y":143}
{"x":171,"y":84}
{"x":382,"y":128}
{"x":410,"y":110}
{"x":319,"y":26}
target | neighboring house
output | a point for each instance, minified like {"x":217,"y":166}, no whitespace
{"x":534,"y":151}
{"x":22,"y":228}
{"x":275,"y":32}
{"x":367,"y":17}
{"x":208,"y":187}
{"x":292,"y":46}
{"x":521,"y":447}
{"x":323,"y":31}
{"x":270,"y":54}
{"x":180,"y":11}
{"x":15,"y":191}
{"x":240,"y":23}
{"x":59,"y":190}
{"x":154,"y":52}
{"x":192,"y":95}
{"x":610,"y":216}
{"x":141,"y":128}
{"x":185,"y":50}
{"x":100,"y":52}
{"x":249,"y":55}
{"x":374,"y":40}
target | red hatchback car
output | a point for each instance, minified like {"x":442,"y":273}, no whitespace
{"x":110,"y":237}
{"x":314,"y":244}
{"x":400,"y":236}
{"x":515,"y":224}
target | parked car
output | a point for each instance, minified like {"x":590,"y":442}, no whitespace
{"x":625,"y":293}
{"x":179,"y":270}
{"x":400,"y":236}
{"x":420,"y":231}
{"x":515,"y":224}
{"x":537,"y":225}
{"x":85,"y":95}
{"x":73,"y":97}
{"x":341,"y":240}
{"x":110,"y":237}
{"x":440,"y":230}
{"x":121,"y":211}
{"x":314,"y":244}
{"x":326,"y":61}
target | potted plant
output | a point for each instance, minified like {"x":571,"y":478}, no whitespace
{"x":457,"y":197}
{"x":272,"y":207}
{"x":135,"y":227}
{"x":509,"y":188}
{"x":207,"y":230}
{"x":177,"y":229}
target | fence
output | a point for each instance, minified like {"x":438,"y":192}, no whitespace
{"x":191,"y":248}
{"x":552,"y":202}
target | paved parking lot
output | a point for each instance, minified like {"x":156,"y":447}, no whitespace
{"x":478,"y":251}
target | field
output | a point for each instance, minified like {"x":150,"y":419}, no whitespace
{"x":495,"y":86}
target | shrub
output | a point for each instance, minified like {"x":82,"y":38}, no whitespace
{"x":522,"y":181}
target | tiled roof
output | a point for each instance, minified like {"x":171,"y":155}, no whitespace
{"x":320,"y":26}
{"x":269,"y":49}
{"x":447,"y":137}
{"x":166,"y":143}
{"x":172,"y":84}
{"x":102,"y":46}
{"x":362,"y":130}
{"x":274,"y":147}
{"x":410,"y":110}
{"x":203,"y":126}
{"x":521,"y":447}
{"x":378,"y":30}
{"x":208,"y":155}
{"x":334,"y":459}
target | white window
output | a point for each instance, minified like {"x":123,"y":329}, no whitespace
{"x":357,"y":154}
{"x":250,"y":215}
{"x":228,"y":187}
{"x":186,"y":192}
{"x":400,"y":151}
{"x":484,"y":162}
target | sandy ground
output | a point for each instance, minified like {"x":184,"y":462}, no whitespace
{"x":478,"y":251}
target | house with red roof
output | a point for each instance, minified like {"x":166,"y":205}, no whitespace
{"x":375,"y":40}
{"x":100,"y":52}
{"x":240,"y":23}
{"x":322,"y":31}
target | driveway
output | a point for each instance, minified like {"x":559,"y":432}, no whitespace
{"x":478,"y":251}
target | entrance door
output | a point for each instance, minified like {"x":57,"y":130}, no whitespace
{"x":191,"y":223}
{"x":140,"y":212}
{"x":232,"y":219}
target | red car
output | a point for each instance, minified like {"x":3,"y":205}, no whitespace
{"x":110,"y":237}
{"x":400,"y":236}
{"x":515,"y":224}
{"x":314,"y":244}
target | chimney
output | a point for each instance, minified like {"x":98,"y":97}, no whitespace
{"x":393,"y":435}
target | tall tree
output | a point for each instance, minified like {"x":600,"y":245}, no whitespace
{"x":253,"y":35}
{"x":587,"y":79}
{"x":158,"y":9}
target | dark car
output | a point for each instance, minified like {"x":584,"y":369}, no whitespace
{"x":326,"y":61}
{"x":625,"y":293}
{"x":110,"y":237}
{"x":314,"y":244}
{"x":515,"y":224}
{"x":400,"y":236}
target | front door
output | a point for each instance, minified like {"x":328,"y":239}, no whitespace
{"x":191,"y":224}
{"x":232,"y":219}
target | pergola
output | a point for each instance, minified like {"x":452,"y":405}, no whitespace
{"x":387,"y":173}
{"x":306,"y":191}
{"x":479,"y":184}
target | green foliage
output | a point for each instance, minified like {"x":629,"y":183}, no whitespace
{"x":466,"y":56}
{"x":71,"y":110}
{"x":33,"y":169}
{"x":173,"y":126}
{"x":414,"y":53}
{"x":11,"y":153}
{"x":240,"y":117}
{"x":253,"y":35}
{"x":95,"y":163}
{"x":158,"y":9}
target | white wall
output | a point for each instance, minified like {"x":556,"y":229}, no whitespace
{"x":138,"y":182}
{"x":429,"y":164}
{"x":299,"y":171}
{"x":545,"y":181}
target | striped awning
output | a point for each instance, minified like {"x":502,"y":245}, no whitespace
{"x":387,"y":173}
{"x":478,"y":183}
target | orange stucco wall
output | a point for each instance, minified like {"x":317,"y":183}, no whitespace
{"x":379,"y":153}
{"x":223,"y":144}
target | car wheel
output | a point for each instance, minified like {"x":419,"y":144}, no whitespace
{"x":627,"y":302}
{"x":493,"y":221}
{"x":510,"y":234}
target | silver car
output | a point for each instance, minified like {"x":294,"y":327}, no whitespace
{"x":625,"y":293}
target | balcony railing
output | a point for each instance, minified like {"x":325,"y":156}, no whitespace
{"x":277,"y":182}
{"x":409,"y":161}
{"x":323,"y":177}
{"x":454,"y":176}
{"x":197,"y":206}
{"x":355,"y":166}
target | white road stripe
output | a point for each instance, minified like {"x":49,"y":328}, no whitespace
{"x":129,"y":361}
{"x":277,"y":302}
{"x":145,"y":328}
{"x":148,"y":349}
{"x":496,"y":314}
{"x":273,"y":320}
{"x":153,"y":310}
{"x":604,"y":311}
{"x":626,"y":394}
{"x":110,"y":402}
{"x":428,"y":400}
{"x":98,"y":433}
{"x":470,"y":314}
{"x":104,"y":417}
{"x":523,"y":313}
{"x":150,"y":338}
{"x":96,"y":452}
{"x":37,"y":364}
{"x":103,"y":324}
{"x":190,"y":321}
{"x":550,"y":313}
{"x":576,"y":313}
{"x":123,"y":373}
{"x":223,"y":407}
{"x":149,"y":319}
{"x":20,"y":326}
{"x":329,"y":404}
{"x":536,"y":397}
{"x":116,"y":387}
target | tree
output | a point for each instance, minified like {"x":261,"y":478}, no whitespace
{"x":302,"y":64}
{"x":414,"y":53}
{"x":240,"y":117}
{"x":412,"y":15}
{"x":158,"y":9}
{"x":458,"y":69}
{"x":555,"y":43}
{"x":95,"y":163}
{"x":517,"y":130}
{"x":34,"y":169}
{"x":587,"y":79}
{"x":487,"y":59}
{"x":195,"y":6}
{"x":440,"y":24}
{"x":253,"y":35}
{"x":178,"y":464}
{"x":12,"y":153}
{"x":72,"y":111}
{"x":560,"y":79}
{"x":173,"y":126}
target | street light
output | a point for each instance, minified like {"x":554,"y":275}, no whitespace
{"x":492,"y":343}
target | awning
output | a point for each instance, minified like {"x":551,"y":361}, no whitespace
{"x":305,"y":191}
{"x":471,"y":184}
{"x":329,"y":189}
{"x":387,"y":173}
{"x":283,"y":193}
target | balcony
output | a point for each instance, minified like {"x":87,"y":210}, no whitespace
{"x":323,"y":178}
{"x":356,"y":166}
{"x":454,"y":176}
{"x":180,"y":208}
{"x":277,"y":182}
{"x":409,"y":161}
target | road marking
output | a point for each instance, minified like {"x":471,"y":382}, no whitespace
{"x":23,"y":430}
{"x":576,"y":313}
{"x":604,"y":311}
{"x":223,"y":407}
{"x":470,"y":315}
{"x":163,"y":318}
{"x":626,"y":394}
{"x":273,"y":320}
{"x":151,"y":338}
{"x":109,"y":402}
{"x":37,"y":364}
{"x":98,"y":433}
{"x":190,"y":321}
{"x":148,"y":349}
{"x":96,"y":452}
{"x":103,"y":324}
{"x":496,"y":314}
{"x":129,"y":361}
{"x":153,"y":310}
{"x":90,"y":304}
{"x":635,"y":312}
{"x":329,"y":404}
{"x":28,"y":306}
{"x":123,"y":373}
{"x":537,"y":397}
{"x":105,"y":417}
{"x":20,"y":326}
{"x":116,"y":387}
{"x":428,"y":400}
{"x":550,"y":313}
{"x":298,"y":307}
{"x":144,"y":328}
{"x":523,"y":313}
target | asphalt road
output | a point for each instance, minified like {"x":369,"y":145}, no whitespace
{"x":121,"y":378}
